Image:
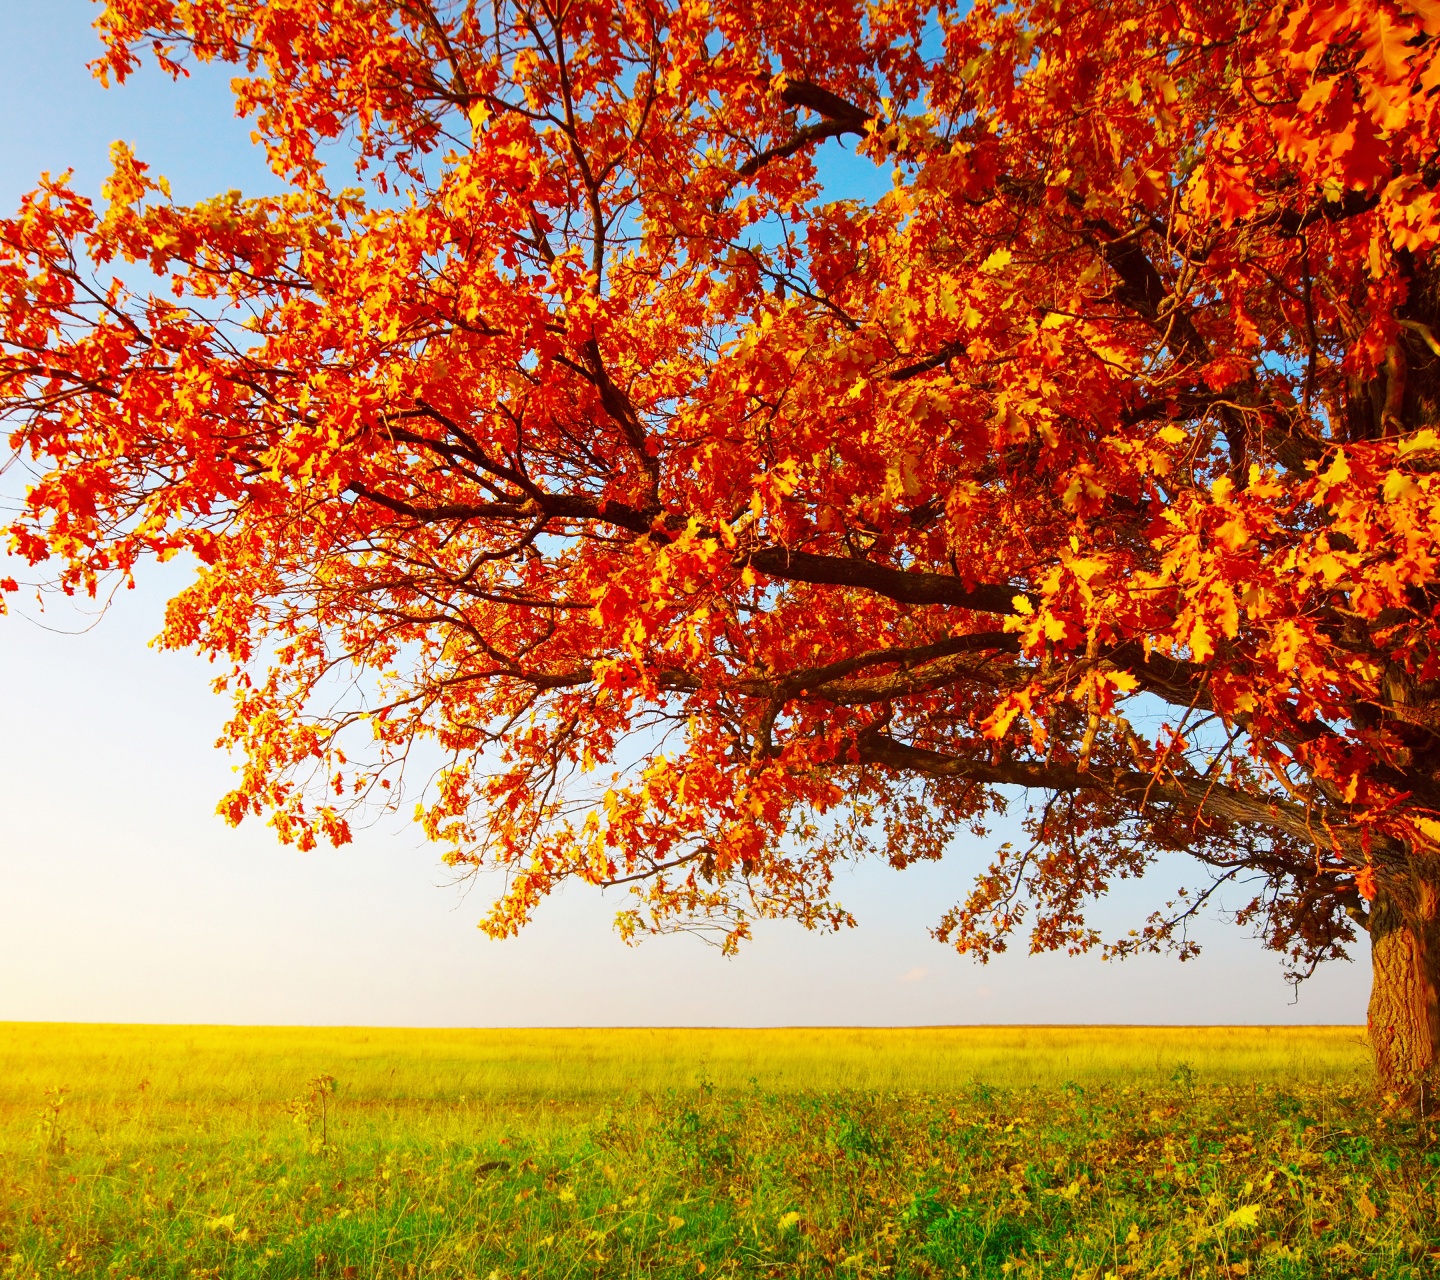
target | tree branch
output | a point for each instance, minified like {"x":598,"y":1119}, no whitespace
{"x":841,"y":117}
{"x":1133,"y":786}
{"x":901,"y":585}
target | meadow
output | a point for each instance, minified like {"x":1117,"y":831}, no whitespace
{"x":1085,"y":1153}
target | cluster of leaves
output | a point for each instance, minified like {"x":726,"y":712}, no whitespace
{"x":1165,"y":1180}
{"x":718,"y":524}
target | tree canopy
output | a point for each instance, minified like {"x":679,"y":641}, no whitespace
{"x":719,"y":518}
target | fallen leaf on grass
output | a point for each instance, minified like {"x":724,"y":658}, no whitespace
{"x":1247,"y":1215}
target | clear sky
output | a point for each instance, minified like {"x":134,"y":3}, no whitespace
{"x":124,"y":898}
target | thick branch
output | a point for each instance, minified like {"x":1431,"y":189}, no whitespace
{"x":946,"y":353}
{"x":1205,"y":798}
{"x":901,"y":585}
{"x":841,"y":117}
{"x":554,"y":506}
{"x":922,"y":669}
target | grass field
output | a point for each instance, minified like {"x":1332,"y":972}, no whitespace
{"x":1069,"y":1152}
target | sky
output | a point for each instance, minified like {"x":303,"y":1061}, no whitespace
{"x":124,"y":898}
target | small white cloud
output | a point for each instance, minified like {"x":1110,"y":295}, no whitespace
{"x":915,"y":974}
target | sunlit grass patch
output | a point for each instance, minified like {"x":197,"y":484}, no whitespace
{"x":241,"y":1064}
{"x":704,"y":1153}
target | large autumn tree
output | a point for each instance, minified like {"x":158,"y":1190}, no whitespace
{"x":718,"y":521}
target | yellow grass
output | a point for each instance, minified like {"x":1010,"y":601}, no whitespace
{"x":254,"y":1064}
{"x":987,"y":1153}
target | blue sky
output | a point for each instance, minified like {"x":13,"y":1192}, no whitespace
{"x":124,"y":898}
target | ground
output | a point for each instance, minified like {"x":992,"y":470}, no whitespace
{"x":1017,"y":1152}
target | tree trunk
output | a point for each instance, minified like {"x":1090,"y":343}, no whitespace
{"x":1404,"y":1017}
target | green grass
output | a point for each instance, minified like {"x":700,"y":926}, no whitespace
{"x":1066,"y":1152}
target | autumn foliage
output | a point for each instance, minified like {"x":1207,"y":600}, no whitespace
{"x":742,"y":437}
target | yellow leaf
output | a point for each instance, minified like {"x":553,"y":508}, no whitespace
{"x":1202,"y":642}
{"x":1429,"y":828}
{"x":904,"y":476}
{"x":1429,"y":14}
{"x":1339,"y":470}
{"x":997,"y":261}
{"x":1287,"y":643}
{"x":1398,"y":487}
{"x":995,"y":725}
{"x":675,"y":1223}
{"x":1232,"y":535}
{"x":787,"y":1220}
{"x":1421,"y":441}
{"x":1389,"y":49}
{"x":1247,"y":1215}
{"x":1329,"y":568}
{"x":1172,"y":435}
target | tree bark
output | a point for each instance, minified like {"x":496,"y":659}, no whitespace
{"x":1404,"y":1015}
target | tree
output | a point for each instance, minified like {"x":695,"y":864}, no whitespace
{"x":718,"y":524}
